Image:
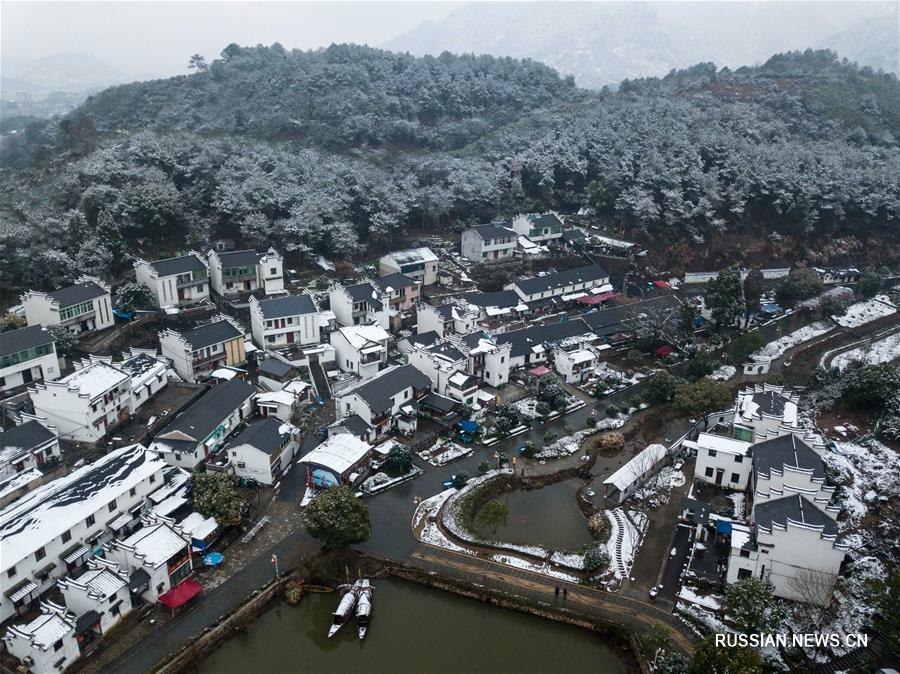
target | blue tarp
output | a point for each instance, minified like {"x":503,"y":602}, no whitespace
{"x":118,"y":313}
{"x":213,"y":559}
{"x":723,"y":527}
{"x":770,"y":308}
{"x":468,"y":426}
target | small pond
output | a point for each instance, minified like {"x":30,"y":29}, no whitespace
{"x":414,"y":629}
{"x":548,"y":517}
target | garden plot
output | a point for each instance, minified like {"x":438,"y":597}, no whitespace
{"x":882,"y":351}
{"x":612,"y":379}
{"x":779,"y":347}
{"x":866,"y":312}
{"x":570,"y":443}
{"x":528,"y":407}
{"x":656,"y":491}
{"x":723,"y":373}
{"x":443,"y":452}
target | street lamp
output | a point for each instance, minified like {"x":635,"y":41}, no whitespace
{"x":275,"y":562}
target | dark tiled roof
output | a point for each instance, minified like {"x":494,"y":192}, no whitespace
{"x":522,"y":341}
{"x":202,"y":417}
{"x":574,"y":236}
{"x":178,"y":265}
{"x":447,"y":350}
{"x":239,"y":258}
{"x":439,"y":403}
{"x":501,"y":299}
{"x":394,"y":281}
{"x":274,"y":366}
{"x":378,"y":391}
{"x":425,"y":339}
{"x":786,"y":450}
{"x":544,"y":220}
{"x":770,"y":402}
{"x":76,"y":294}
{"x":214,"y":333}
{"x":498,"y":231}
{"x":611,"y":321}
{"x":561,"y":279}
{"x":365,"y":292}
{"x":795,"y":508}
{"x":289,"y":305}
{"x":14,"y":341}
{"x":27,"y":436}
{"x":263,"y":435}
{"x":355,"y":424}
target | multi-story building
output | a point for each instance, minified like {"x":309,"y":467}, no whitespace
{"x":51,"y":531}
{"x":403,"y":293}
{"x":27,"y":355}
{"x":440,"y":362}
{"x":560,"y":284}
{"x":487,"y":243}
{"x":360,"y":304}
{"x":360,"y":349}
{"x":100,"y":593}
{"x":196,"y":353}
{"x":243,"y":271}
{"x":387,"y":400}
{"x":724,"y":462}
{"x":29,"y":446}
{"x":538,"y":227}
{"x":489,"y":360}
{"x":418,"y":263}
{"x":787,"y":465}
{"x":98,"y":396}
{"x":176,"y":281}
{"x":82,"y":307}
{"x":263,"y":450}
{"x":284,"y":322}
{"x":531,"y":346}
{"x":575,"y":365}
{"x":202,"y":428}
{"x":497,"y":307}
{"x":456,"y":318}
{"x":47,"y":644}
{"x":763,"y":412}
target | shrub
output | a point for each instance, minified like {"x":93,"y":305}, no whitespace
{"x":483,"y":467}
{"x":590,"y":422}
{"x":595,"y":559}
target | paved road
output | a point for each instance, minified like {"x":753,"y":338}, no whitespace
{"x":671,"y":578}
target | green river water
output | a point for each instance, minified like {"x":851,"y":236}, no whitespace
{"x":414,"y":629}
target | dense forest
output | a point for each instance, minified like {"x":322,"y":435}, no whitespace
{"x":332,"y":151}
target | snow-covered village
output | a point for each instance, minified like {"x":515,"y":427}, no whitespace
{"x":528,"y":339}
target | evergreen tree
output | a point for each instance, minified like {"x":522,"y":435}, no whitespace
{"x":338,"y":519}
{"x":724,"y":296}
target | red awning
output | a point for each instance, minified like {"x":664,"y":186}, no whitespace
{"x":664,"y":351}
{"x":539,"y":371}
{"x":661,"y":284}
{"x":594,"y":300}
{"x":181,"y":593}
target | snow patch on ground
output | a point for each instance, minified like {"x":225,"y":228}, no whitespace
{"x":656,"y":491}
{"x":866,"y":312}
{"x":723,"y":373}
{"x":623,"y":548}
{"x":426,"y":517}
{"x":779,"y":347}
{"x":738,"y":499}
{"x":543,"y":568}
{"x":444,"y":451}
{"x":709,"y":601}
{"x":570,"y":443}
{"x":882,"y":351}
{"x":867,"y":468}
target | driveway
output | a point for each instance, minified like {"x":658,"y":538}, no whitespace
{"x":671,"y":577}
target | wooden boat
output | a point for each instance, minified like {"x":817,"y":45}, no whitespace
{"x":344,"y":609}
{"x":363,"y":606}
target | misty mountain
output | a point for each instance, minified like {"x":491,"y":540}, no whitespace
{"x":873,"y":42}
{"x":602,"y":43}
{"x":59,"y":72}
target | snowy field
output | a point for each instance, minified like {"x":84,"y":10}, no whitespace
{"x":779,"y":347}
{"x":866,"y":312}
{"x":882,"y":351}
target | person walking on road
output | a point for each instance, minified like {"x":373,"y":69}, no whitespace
{"x":565,"y":593}
{"x":557,"y":591}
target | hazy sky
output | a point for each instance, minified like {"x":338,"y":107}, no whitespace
{"x":156,"y":38}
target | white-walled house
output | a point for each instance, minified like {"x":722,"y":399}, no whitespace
{"x":263,"y":450}
{"x":787,"y":465}
{"x":439,"y":362}
{"x":32,"y":444}
{"x":403,"y":293}
{"x":794,"y":545}
{"x":418,"y":263}
{"x":489,"y":360}
{"x":85,"y":405}
{"x":176,"y":281}
{"x":196,"y":353}
{"x":82,"y":307}
{"x":244,"y":271}
{"x":47,"y":644}
{"x":284,"y":322}
{"x":575,"y":365}
{"x":382,"y":400}
{"x":281,"y":404}
{"x":724,"y":462}
{"x":159,"y":554}
{"x":456,"y":318}
{"x":103,"y":589}
{"x":560,"y":284}
{"x":360,"y":304}
{"x":487,"y":243}
{"x":360,"y":349}
{"x":763,"y":412}
{"x":533,"y":345}
{"x":202,"y":428}
{"x":26,"y":355}
{"x":538,"y":227}
{"x":51,"y":531}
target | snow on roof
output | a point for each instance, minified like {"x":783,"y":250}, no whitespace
{"x":720,"y":443}
{"x":169,"y":505}
{"x":325,"y":317}
{"x":740,"y":535}
{"x":94,"y":379}
{"x":197,"y":526}
{"x":225,"y":373}
{"x":338,"y":453}
{"x":45,"y":513}
{"x":45,"y":630}
{"x":297,"y":387}
{"x":639,"y":465}
{"x":276,"y":398}
{"x":411,"y":255}
{"x":581,"y":356}
{"x":155,"y":544}
{"x":18,"y":481}
{"x":175,"y":480}
{"x":362,"y":335}
{"x":100,"y":582}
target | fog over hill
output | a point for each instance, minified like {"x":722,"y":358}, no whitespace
{"x":602,"y":43}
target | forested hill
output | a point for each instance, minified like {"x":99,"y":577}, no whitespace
{"x":330,"y":152}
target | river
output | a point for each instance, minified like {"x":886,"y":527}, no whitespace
{"x":414,"y":629}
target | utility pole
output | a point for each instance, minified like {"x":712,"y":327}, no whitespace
{"x":275,"y":562}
